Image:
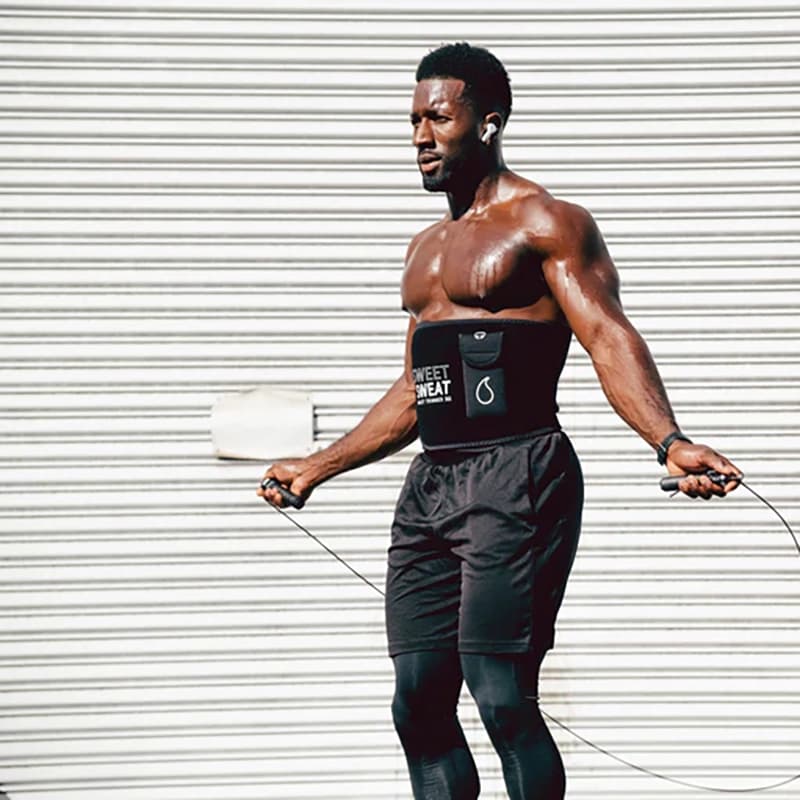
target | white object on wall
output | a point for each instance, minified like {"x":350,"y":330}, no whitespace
{"x":262,"y":424}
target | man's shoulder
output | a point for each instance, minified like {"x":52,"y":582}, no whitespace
{"x":421,"y":236}
{"x":543,"y":213}
{"x":428,"y":230}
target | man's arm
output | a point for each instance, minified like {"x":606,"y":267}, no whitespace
{"x":584,"y":282}
{"x":387,"y":427}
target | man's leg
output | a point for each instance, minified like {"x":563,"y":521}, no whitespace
{"x":427,"y":687}
{"x":505,"y":690}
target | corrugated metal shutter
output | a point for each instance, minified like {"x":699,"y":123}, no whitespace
{"x":197,"y":199}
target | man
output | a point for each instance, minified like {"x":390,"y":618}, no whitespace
{"x":487,"y":522}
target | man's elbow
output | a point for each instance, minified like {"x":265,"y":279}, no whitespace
{"x":610,"y":341}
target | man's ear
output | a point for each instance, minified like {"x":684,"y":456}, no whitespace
{"x":492,"y":125}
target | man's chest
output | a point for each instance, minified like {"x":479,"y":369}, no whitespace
{"x":494,"y":267}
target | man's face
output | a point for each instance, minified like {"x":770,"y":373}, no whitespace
{"x":446,"y":133}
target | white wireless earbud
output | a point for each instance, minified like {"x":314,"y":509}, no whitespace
{"x":491,"y":130}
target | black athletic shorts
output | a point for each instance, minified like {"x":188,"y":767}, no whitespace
{"x":482,"y":545}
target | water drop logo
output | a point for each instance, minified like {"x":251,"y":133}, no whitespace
{"x":488,"y":396}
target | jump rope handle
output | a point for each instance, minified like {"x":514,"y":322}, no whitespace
{"x":670,"y":483}
{"x":292,"y":499}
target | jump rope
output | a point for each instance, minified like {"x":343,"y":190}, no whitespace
{"x":669,"y":484}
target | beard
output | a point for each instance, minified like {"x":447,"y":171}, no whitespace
{"x":451,"y":172}
{"x":440,"y":180}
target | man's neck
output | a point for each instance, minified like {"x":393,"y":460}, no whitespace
{"x":475,"y":193}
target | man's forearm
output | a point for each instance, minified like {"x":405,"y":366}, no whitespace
{"x":388,"y":426}
{"x":632,"y":384}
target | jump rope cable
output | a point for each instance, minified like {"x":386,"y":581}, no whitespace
{"x":558,"y":722}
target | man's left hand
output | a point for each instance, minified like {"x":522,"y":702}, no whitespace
{"x":694,"y":460}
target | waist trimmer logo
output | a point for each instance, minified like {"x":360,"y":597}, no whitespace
{"x":484,"y":393}
{"x":433,"y":384}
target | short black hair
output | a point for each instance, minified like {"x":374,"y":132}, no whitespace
{"x":487,"y":85}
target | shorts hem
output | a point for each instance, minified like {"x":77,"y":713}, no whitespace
{"x":511,"y":647}
{"x":416,"y":645}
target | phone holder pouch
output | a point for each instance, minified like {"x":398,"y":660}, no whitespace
{"x":484,"y":380}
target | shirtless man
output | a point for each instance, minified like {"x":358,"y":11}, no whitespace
{"x":487,"y":522}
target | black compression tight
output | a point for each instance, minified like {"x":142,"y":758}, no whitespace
{"x":504,"y":687}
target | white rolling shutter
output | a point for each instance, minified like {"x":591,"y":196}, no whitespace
{"x":198,"y":198}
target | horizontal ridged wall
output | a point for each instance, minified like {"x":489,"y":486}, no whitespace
{"x":195,"y":200}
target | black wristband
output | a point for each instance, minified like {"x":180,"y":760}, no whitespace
{"x":661,"y":450}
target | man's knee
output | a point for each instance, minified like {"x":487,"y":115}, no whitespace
{"x":426,"y":693}
{"x":406,"y":711}
{"x":504,"y":690}
{"x":504,"y":713}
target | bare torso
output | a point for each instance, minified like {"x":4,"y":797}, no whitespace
{"x":486,"y":263}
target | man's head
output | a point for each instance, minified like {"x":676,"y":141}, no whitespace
{"x":461,"y":103}
{"x":486,"y":84}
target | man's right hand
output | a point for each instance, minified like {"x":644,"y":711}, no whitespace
{"x":293,"y":474}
